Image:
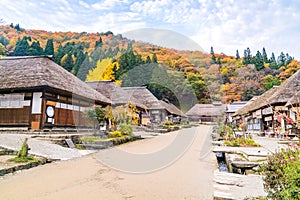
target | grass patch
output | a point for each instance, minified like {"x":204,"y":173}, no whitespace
{"x":241,"y":142}
{"x":26,"y":159}
{"x":91,"y":139}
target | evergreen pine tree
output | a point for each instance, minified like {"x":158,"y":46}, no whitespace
{"x":99,"y":43}
{"x":80,"y":57}
{"x":35,"y":49}
{"x":22,"y":47}
{"x":218,"y":60}
{"x":68,"y":63}
{"x":49,"y":49}
{"x":288,"y":59}
{"x":264,"y":55}
{"x":281,"y":59}
{"x":154,"y":58}
{"x":237,"y":55}
{"x":213,"y":57}
{"x":272,"y":61}
{"x":148,"y":59}
{"x":259,"y":63}
{"x":59,"y":54}
{"x":247,"y":57}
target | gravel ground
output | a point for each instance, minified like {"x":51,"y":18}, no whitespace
{"x":40,"y":147}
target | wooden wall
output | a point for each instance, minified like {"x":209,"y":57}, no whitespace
{"x":65,"y":117}
{"x":15,"y":116}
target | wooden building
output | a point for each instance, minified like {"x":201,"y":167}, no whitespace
{"x":158,"y":111}
{"x":173,"y":113}
{"x":118,"y":95}
{"x":36,"y":93}
{"x":232,"y":108}
{"x":273,"y":112}
{"x":206,"y":112}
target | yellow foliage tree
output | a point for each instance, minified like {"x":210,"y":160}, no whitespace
{"x":103,"y":71}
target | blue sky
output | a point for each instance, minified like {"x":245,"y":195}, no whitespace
{"x":226,"y":25}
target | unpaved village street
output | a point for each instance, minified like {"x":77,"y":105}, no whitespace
{"x":190,"y":176}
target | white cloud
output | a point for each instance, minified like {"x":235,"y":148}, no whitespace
{"x":226,"y":25}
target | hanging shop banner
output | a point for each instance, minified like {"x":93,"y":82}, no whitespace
{"x":267,"y":111}
{"x":269,"y":118}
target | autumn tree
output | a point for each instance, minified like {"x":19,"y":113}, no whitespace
{"x":4,"y":40}
{"x":104,"y":70}
{"x":269,"y":81}
{"x":2,"y":49}
{"x":248,"y":82}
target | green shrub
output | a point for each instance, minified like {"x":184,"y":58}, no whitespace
{"x":236,"y":144}
{"x":169,"y":123}
{"x":115,"y":134}
{"x":166,"y":126}
{"x":23,"y":159}
{"x":22,"y":155}
{"x":24,"y":149}
{"x":125,"y":129}
{"x":282,"y":174}
{"x":244,"y":142}
{"x":176,"y":128}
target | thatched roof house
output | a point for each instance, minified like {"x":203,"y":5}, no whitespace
{"x":286,"y":90}
{"x":235,"y":106}
{"x":278,"y":95}
{"x":37,"y":93}
{"x":115,"y":93}
{"x":145,"y":96}
{"x":257,"y":102}
{"x":30,"y":72}
{"x":172,"y":109}
{"x":159,"y":110}
{"x":206,"y":112}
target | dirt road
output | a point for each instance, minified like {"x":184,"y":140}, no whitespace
{"x":187,"y":176}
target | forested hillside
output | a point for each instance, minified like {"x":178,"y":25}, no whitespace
{"x":105,"y":56}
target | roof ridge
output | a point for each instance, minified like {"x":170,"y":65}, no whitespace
{"x":25,"y":57}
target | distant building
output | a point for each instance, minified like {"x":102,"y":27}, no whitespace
{"x":36,"y":93}
{"x":118,"y":95}
{"x":206,"y":112}
{"x":159,"y":111}
{"x":232,"y":108}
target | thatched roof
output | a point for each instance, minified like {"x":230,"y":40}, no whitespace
{"x":31,"y":72}
{"x":287,"y":89}
{"x":171,"y":108}
{"x":235,"y":106}
{"x":206,"y":110}
{"x":285,"y":93}
{"x":145,"y":96}
{"x":116,"y":94}
{"x":295,"y":100}
{"x":258,"y":102}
